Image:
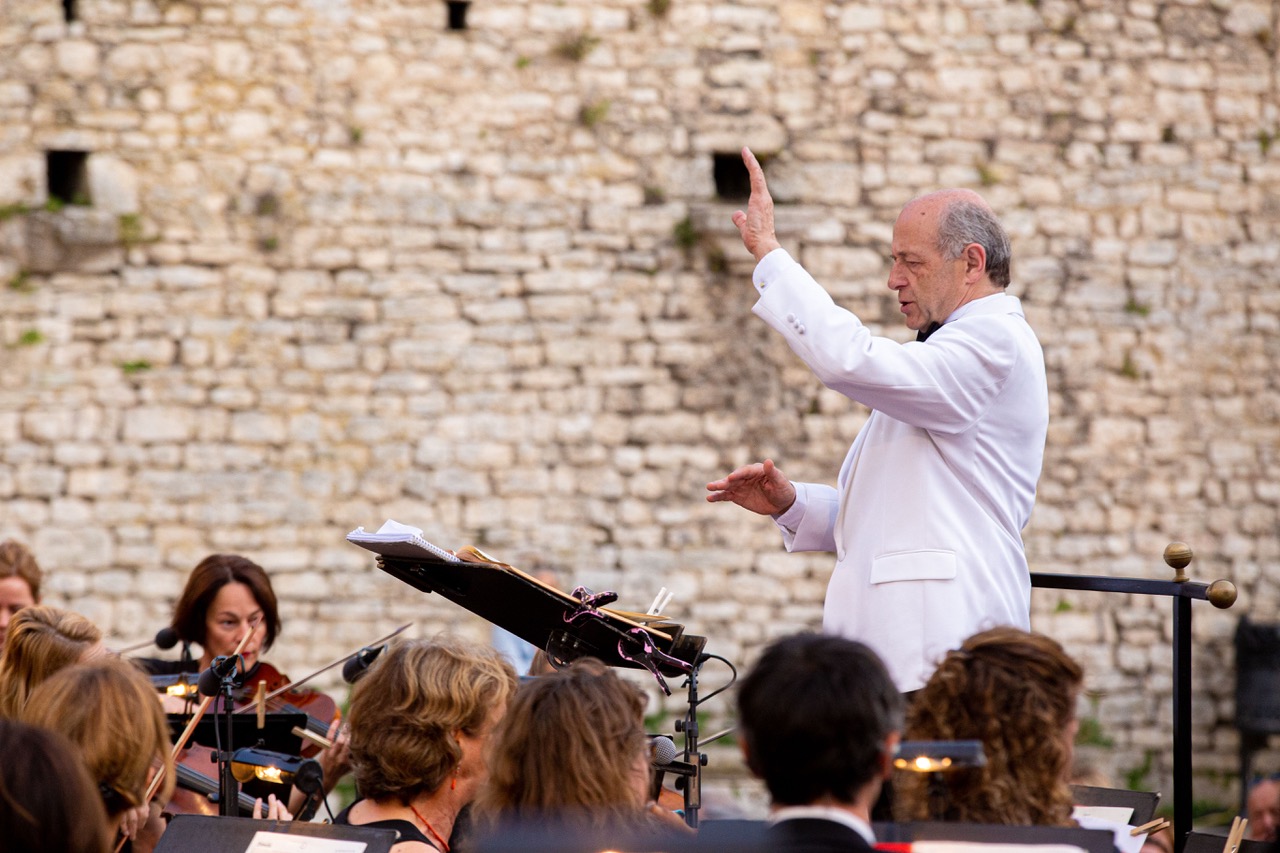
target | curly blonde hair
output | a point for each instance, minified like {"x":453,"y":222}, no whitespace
{"x":567,"y":750}
{"x":1015,"y":692}
{"x":406,"y":713}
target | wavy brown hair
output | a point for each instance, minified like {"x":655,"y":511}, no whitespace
{"x":17,"y":561}
{"x":1015,"y":692}
{"x":42,"y":640}
{"x":108,"y":709}
{"x":406,"y":713}
{"x":567,"y":750}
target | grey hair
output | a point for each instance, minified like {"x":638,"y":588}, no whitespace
{"x":964,"y":222}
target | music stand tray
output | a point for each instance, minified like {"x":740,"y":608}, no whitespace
{"x":205,"y":834}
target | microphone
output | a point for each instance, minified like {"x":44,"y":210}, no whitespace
{"x":222,"y":668}
{"x":662,"y":750}
{"x":167,"y":638}
{"x":358,"y":664}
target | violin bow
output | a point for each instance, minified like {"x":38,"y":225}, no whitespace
{"x":292,"y":685}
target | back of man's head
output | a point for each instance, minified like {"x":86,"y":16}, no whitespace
{"x":815,"y":713}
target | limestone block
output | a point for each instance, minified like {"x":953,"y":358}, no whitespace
{"x":132,"y":62}
{"x":97,"y":482}
{"x":77,"y":58}
{"x":157,"y":424}
{"x":1248,"y":19}
{"x":85,"y":547}
{"x":861,"y":17}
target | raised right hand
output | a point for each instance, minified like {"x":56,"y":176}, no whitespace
{"x":759,"y":487}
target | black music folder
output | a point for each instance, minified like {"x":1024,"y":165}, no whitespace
{"x":204,"y":834}
{"x":567,"y":626}
{"x":1143,"y":803}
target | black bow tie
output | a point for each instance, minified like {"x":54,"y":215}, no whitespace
{"x":924,"y":333}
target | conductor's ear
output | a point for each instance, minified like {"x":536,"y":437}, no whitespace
{"x":975,"y":263}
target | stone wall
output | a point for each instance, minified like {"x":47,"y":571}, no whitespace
{"x":342,"y":263}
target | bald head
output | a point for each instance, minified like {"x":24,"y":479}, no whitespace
{"x":964,"y":217}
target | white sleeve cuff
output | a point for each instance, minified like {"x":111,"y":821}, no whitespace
{"x":770,"y":268}
{"x":789,"y":520}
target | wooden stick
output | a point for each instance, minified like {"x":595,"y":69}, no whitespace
{"x":1148,"y":827}
{"x":306,"y":734}
{"x":178,"y":745}
{"x":1238,"y":825}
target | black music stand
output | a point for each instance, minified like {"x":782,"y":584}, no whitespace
{"x":1204,"y":842}
{"x":1143,"y":803}
{"x":205,"y":834}
{"x":1091,"y":840}
{"x":567,"y":626}
{"x":276,"y":735}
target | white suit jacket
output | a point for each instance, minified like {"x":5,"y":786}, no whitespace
{"x":926,"y":521}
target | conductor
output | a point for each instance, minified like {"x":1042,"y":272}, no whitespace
{"x":926,"y":517}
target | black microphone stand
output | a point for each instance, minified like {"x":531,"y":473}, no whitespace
{"x":222,"y":678}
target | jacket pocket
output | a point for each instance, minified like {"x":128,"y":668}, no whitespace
{"x":923,"y":565}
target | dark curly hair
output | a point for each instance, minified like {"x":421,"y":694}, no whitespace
{"x":1016,"y":692}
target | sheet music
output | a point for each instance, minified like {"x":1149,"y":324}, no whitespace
{"x":275,"y":842}
{"x":1092,"y":817}
{"x":399,"y":540}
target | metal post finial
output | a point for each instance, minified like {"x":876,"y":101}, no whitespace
{"x":1177,"y":555}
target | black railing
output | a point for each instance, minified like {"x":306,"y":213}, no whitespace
{"x":1221,"y":594}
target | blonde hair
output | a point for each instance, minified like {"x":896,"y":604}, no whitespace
{"x":41,"y":641}
{"x":1015,"y":691}
{"x":566,"y":750}
{"x":405,"y":714}
{"x":108,"y":709}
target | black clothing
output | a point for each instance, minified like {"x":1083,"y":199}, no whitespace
{"x":815,"y":835}
{"x":406,"y":830}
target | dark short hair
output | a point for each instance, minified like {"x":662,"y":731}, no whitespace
{"x":815,"y":711}
{"x":212,"y":574}
{"x":47,"y":800}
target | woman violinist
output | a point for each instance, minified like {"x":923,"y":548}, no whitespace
{"x":227,"y":596}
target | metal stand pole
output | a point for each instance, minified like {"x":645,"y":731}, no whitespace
{"x":692,"y":757}
{"x":1181,"y":721}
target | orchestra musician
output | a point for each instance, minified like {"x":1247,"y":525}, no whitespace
{"x":19,"y":582}
{"x":420,"y":721}
{"x":47,"y":800}
{"x":226,"y":597}
{"x":107,"y":709}
{"x":571,"y":754}
{"x":44,"y":640}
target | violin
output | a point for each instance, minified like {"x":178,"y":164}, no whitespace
{"x":196,"y":791}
